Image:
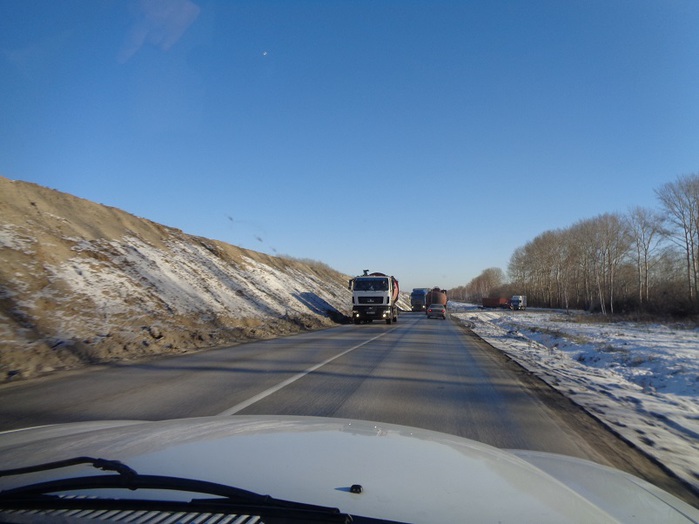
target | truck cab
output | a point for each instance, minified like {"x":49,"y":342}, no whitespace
{"x":374,"y":297}
{"x":518,"y":302}
{"x":418,"y":299}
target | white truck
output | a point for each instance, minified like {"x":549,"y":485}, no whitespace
{"x":374,"y":297}
{"x":518,"y":302}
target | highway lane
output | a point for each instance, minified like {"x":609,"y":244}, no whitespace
{"x":198,"y":384}
{"x":420,"y":372}
{"x":428,"y":373}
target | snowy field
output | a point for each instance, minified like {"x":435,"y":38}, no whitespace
{"x":642,"y":380}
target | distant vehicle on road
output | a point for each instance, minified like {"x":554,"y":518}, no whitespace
{"x":518,"y":302}
{"x":437,"y":311}
{"x":437,"y":296}
{"x":418,"y":299}
{"x":495,"y":302}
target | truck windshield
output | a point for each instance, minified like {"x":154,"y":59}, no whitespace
{"x":371,"y":284}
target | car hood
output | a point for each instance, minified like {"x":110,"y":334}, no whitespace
{"x":407,"y":474}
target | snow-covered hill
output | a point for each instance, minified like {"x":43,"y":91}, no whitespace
{"x":83,"y":283}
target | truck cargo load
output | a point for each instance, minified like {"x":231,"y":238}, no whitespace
{"x":437,"y":296}
{"x":491,"y":302}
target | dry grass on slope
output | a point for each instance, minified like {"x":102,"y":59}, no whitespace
{"x":82,"y":283}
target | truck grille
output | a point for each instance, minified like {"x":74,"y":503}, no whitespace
{"x":371,"y":300}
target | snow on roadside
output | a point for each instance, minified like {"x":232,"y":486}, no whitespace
{"x":642,"y":380}
{"x":190,"y":279}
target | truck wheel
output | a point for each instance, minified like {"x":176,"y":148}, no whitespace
{"x":356,"y":321}
{"x":388,"y":320}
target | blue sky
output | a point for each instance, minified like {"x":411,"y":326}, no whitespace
{"x":426,"y":139}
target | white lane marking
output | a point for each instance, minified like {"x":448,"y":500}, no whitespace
{"x":249,"y":402}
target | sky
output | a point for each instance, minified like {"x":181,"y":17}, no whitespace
{"x":423,"y":139}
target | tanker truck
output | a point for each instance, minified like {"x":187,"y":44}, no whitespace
{"x":436,"y":296}
{"x":374,"y":297}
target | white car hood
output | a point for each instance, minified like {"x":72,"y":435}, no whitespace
{"x":406,"y":474}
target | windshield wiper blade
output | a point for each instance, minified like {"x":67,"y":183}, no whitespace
{"x":227,"y":498}
{"x":103,"y":464}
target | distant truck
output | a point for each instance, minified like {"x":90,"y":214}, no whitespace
{"x":491,"y":302}
{"x":374,"y":297}
{"x":437,"y":296}
{"x":418,"y":299}
{"x":518,"y":302}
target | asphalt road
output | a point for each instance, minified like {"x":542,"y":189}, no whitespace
{"x":420,"y":372}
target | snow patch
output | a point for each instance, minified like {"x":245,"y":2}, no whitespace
{"x":642,"y":380}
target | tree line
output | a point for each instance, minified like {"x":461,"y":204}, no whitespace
{"x":646,"y":260}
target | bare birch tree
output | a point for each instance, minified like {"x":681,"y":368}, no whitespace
{"x":680,"y":199}
{"x":616,"y":241}
{"x":584,"y":236}
{"x":611,"y":260}
{"x":484,"y":284}
{"x":646,"y":227}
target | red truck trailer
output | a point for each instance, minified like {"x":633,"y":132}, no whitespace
{"x":496,"y":302}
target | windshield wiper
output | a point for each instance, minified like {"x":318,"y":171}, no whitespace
{"x":228,"y":499}
{"x":103,"y":464}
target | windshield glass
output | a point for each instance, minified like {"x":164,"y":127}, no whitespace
{"x":371,"y":284}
